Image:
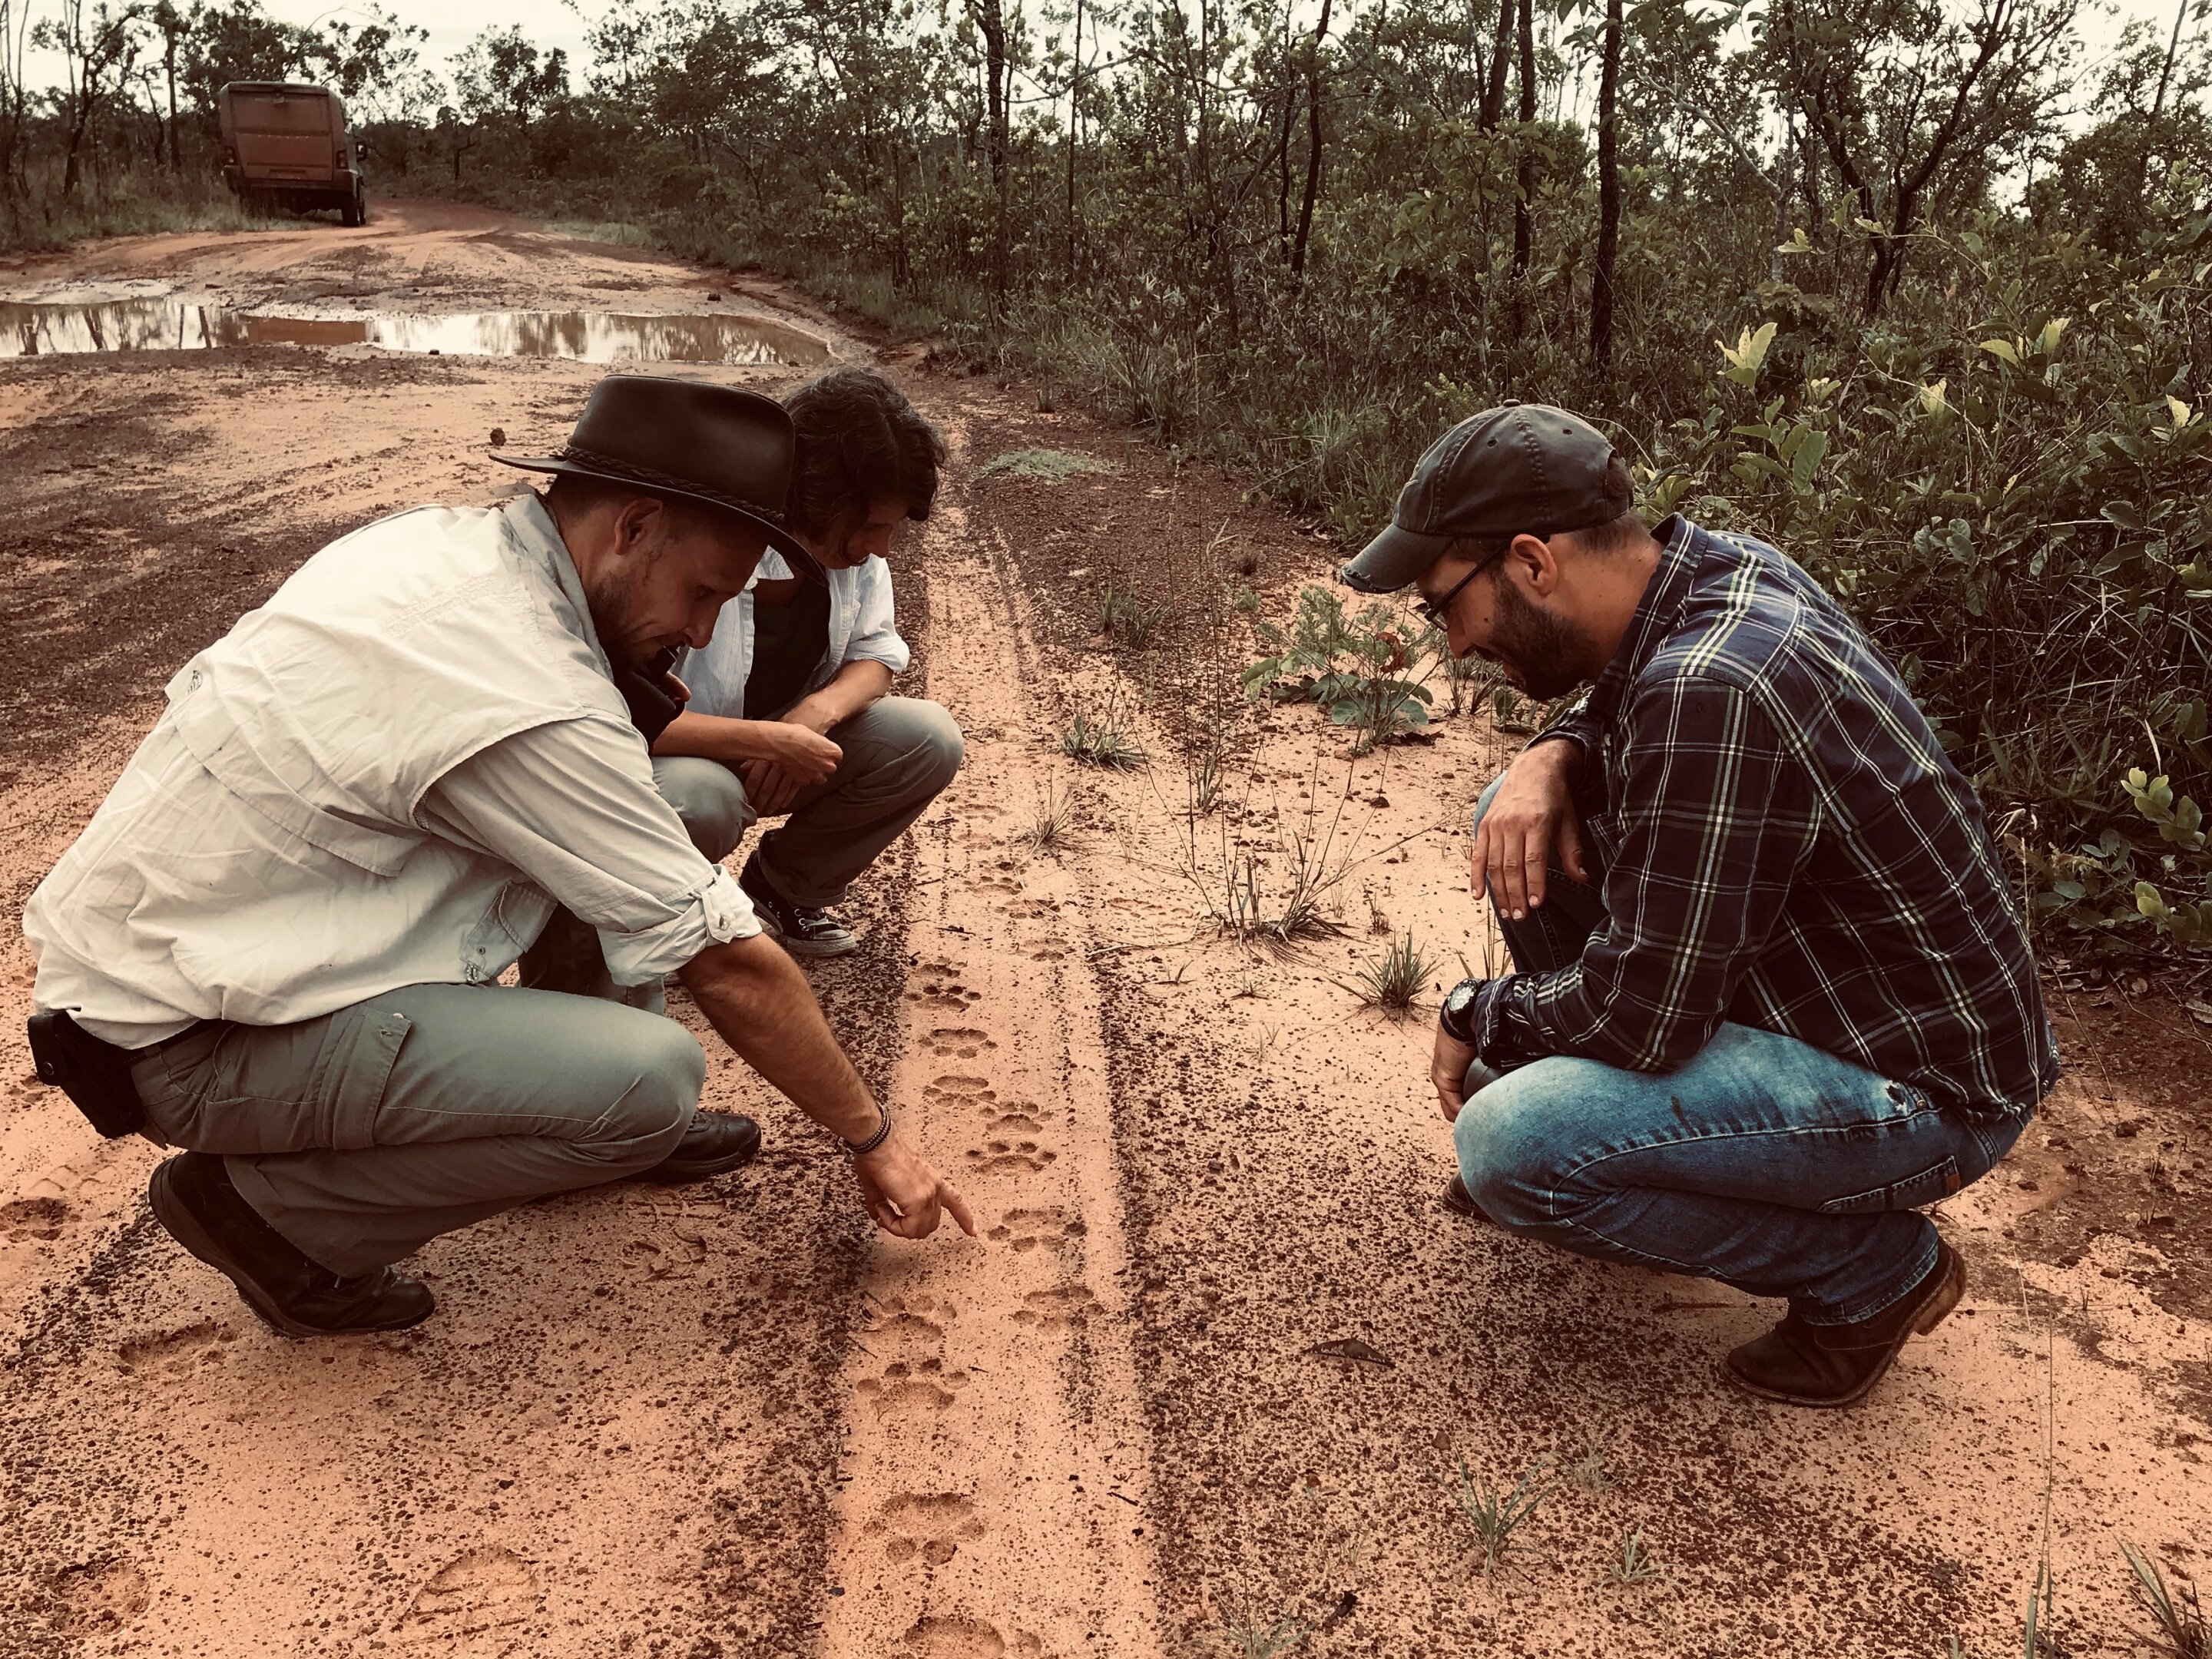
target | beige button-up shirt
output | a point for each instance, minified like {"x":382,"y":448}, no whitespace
{"x":182,"y":902}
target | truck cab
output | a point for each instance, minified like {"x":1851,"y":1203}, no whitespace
{"x":286,"y":144}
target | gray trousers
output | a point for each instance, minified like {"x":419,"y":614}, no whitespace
{"x":899,"y":754}
{"x":363,"y":1134}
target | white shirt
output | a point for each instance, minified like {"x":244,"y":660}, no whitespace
{"x":862,"y":629}
{"x":191,"y":895}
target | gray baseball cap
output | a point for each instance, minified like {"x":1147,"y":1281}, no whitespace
{"x":1518,"y":467}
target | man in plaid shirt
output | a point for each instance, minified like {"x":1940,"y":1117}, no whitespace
{"x":1772,"y":994}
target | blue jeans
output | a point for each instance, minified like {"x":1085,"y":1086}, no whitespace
{"x":1764,"y":1163}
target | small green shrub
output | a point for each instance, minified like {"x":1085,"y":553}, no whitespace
{"x":1045,"y":465}
{"x":1392,"y":981}
{"x":1354,"y":667}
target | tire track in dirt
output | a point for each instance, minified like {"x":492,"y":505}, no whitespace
{"x":994,"y":1490}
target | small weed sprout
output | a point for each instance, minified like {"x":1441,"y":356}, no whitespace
{"x":1254,"y":1640}
{"x":1636,"y":1565}
{"x":1495,"y":1515}
{"x":1393,"y":980}
{"x":1588,"y":1471}
{"x":1124,"y":617}
{"x":2181,"y":1624}
{"x":1099,"y":736}
{"x":1466,"y":678}
{"x":1050,"y":831}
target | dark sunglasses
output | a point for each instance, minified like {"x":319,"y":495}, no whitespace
{"x":1434,"y":611}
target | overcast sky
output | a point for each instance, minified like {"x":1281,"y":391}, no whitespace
{"x":453,"y":23}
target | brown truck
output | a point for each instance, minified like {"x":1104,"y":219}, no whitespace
{"x":286,"y":144}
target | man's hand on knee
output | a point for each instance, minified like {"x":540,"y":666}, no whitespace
{"x":1532,"y":813}
{"x":1448,"y":1071}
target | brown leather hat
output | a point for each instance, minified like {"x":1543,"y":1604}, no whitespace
{"x":715,"y":444}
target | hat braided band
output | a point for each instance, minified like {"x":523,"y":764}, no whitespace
{"x":632,"y":472}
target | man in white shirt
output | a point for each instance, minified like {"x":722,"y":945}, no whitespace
{"x":285,"y":926}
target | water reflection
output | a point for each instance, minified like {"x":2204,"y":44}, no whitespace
{"x":593,"y":336}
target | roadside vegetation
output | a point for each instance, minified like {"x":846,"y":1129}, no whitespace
{"x":1917,"y":288}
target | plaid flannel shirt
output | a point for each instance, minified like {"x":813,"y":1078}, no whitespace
{"x":1783,"y":843}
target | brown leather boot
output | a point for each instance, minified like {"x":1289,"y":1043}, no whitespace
{"x":1803,"y":1364}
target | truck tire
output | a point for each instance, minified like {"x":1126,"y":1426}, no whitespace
{"x":354,"y":212}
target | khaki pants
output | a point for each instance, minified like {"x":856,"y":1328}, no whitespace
{"x":362,"y":1135}
{"x":899,"y":754}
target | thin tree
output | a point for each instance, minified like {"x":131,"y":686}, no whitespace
{"x":1491,"y":110}
{"x":1608,"y":195}
{"x":1313,"y":143}
{"x":1525,"y":175}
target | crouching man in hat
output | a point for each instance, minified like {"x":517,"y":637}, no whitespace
{"x":277,"y":944}
{"x":1771,"y":996}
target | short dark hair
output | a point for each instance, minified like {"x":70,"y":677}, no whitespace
{"x":1608,"y":536}
{"x":573,"y":495}
{"x":859,"y":442}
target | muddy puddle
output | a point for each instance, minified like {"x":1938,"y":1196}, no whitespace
{"x":141,"y":323}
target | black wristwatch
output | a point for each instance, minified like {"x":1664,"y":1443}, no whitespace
{"x":1453,"y":1017}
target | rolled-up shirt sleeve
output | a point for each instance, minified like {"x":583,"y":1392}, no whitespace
{"x":572,"y":805}
{"x":876,"y":637}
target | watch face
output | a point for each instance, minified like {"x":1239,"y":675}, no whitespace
{"x":1460,"y":997}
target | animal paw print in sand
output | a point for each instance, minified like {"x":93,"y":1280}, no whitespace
{"x":475,"y":1591}
{"x":176,"y":1351}
{"x":1057,"y":1309}
{"x":930,"y":1525}
{"x":936,"y":1637}
{"x":915,"y":1384}
{"x":959,"y":1089}
{"x":1023,"y":1230}
{"x":959,"y":1042}
{"x":995,"y":1155}
{"x":937,"y":988}
{"x":1051,"y":950}
{"x":91,"y":1596}
{"x":29,"y":1220}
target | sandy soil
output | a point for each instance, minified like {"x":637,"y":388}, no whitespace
{"x":1206,"y":1385}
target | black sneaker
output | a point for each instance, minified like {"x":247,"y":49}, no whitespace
{"x":193,"y":1198}
{"x":805,"y":930}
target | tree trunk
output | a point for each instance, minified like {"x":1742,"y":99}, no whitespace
{"x":1493,"y":109}
{"x":1525,"y":175}
{"x":1074,"y":131}
{"x":1313,"y":144}
{"x":169,"y":62}
{"x":1608,"y":197}
{"x":991,"y":20}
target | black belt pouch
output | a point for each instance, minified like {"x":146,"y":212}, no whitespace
{"x":95,"y":1075}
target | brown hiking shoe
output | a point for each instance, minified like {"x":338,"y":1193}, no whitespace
{"x":1803,"y":1364}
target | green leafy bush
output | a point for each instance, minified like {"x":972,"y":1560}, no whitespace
{"x":1355,"y":667}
